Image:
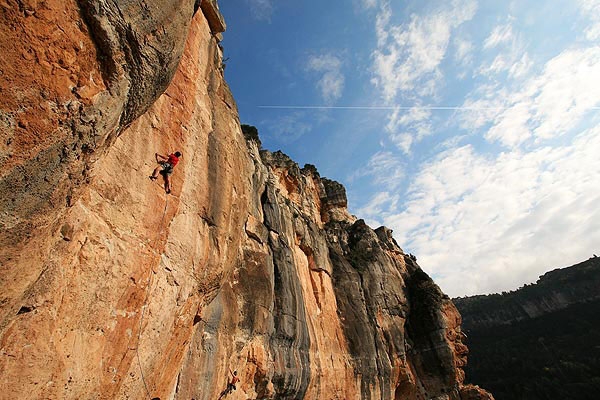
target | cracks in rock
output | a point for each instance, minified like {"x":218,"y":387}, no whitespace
{"x":209,"y":221}
{"x":294,"y":317}
{"x":309,"y":254}
{"x":178,"y":384}
{"x":321,"y":270}
{"x":25,"y":309}
{"x":265,"y":203}
{"x":264,"y":197}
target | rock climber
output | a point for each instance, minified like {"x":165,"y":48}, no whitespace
{"x":167,"y":167}
{"x":231,"y":385}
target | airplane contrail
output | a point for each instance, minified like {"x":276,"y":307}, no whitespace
{"x":397,"y":107}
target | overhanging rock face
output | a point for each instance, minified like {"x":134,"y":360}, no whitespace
{"x":215,"y":19}
{"x":112,"y":289}
{"x":75,"y":75}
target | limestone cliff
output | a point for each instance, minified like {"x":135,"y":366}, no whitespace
{"x":113,"y":289}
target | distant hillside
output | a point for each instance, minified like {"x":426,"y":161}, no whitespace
{"x":541,"y":341}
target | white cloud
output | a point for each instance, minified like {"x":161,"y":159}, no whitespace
{"x":406,"y":128}
{"x":515,"y":62}
{"x":384,"y":168}
{"x":464,"y":51}
{"x":593,"y":32}
{"x":262,"y":10}
{"x":382,"y":23}
{"x":482,"y":106}
{"x":511,"y":127}
{"x":408,"y":55}
{"x":400,"y":118}
{"x":369,"y":3}
{"x":568,"y":88}
{"x":547,"y":106}
{"x":406,"y":139}
{"x":331,"y":82}
{"x":591,"y":7}
{"x":378,"y":206}
{"x":407,"y":59}
{"x":403,"y":140}
{"x":521,"y":66}
{"x":500,"y":34}
{"x":512,"y":56}
{"x":485,"y":224}
{"x":591,"y":10}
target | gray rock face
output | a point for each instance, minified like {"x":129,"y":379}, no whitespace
{"x":339,"y":288}
{"x":334,"y":194}
{"x":289,"y":340}
{"x":140,"y":44}
{"x":372,"y":286}
{"x":369,"y":287}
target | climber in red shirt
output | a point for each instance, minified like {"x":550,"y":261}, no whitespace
{"x":231,"y":385}
{"x":167,"y":168}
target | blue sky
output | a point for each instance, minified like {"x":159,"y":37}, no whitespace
{"x":471,"y":128}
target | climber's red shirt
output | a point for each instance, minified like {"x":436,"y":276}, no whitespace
{"x":173,"y":159}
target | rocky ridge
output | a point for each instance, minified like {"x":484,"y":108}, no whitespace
{"x":539,"y":341}
{"x":554,"y":291}
{"x":111,"y":289}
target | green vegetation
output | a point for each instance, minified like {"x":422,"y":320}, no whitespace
{"x":251,"y":133}
{"x":556,"y":356}
{"x":539,"y":342}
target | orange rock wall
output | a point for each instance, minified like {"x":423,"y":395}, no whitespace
{"x":116,"y":299}
{"x":124,"y":292}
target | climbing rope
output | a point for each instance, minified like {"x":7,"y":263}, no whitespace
{"x":151,"y":274}
{"x":147,"y":296}
{"x":150,"y":281}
